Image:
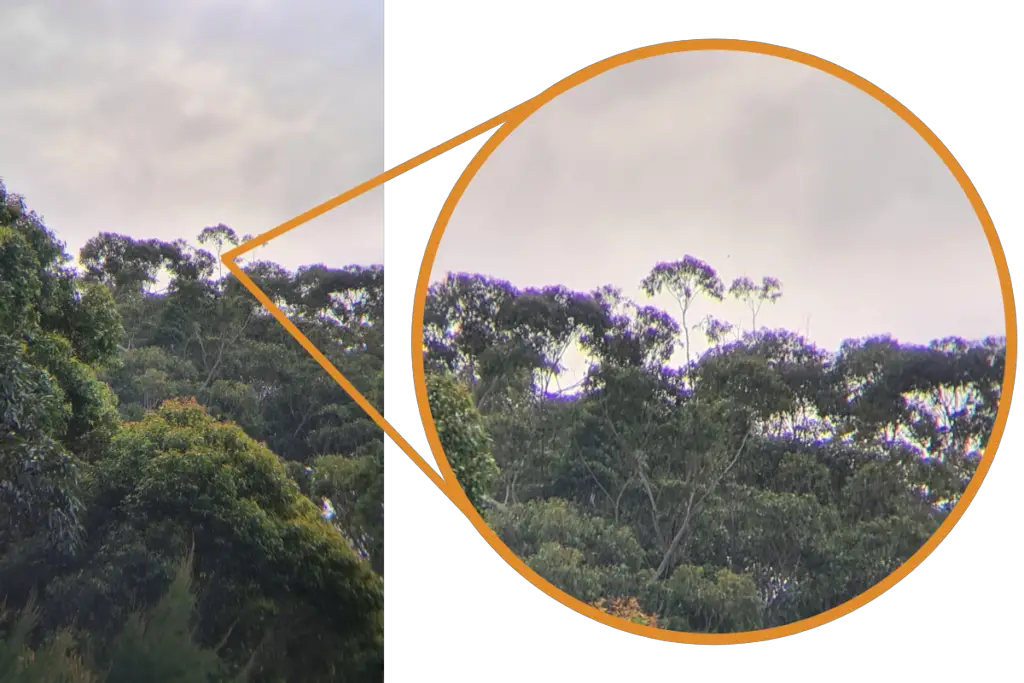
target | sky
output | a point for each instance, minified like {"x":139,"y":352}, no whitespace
{"x":754,"y":164}
{"x":157,"y":119}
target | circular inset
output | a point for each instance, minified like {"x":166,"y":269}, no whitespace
{"x":459,"y":496}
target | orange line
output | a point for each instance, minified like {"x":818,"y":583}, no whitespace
{"x":335,"y":373}
{"x":511,"y":119}
{"x":367,"y":186}
{"x":229,"y":257}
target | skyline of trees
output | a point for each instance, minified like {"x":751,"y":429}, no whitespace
{"x":156,"y":417}
{"x":757,"y":483}
{"x":165,"y":446}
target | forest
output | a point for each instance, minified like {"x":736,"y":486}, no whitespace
{"x":185,"y":495}
{"x":705,"y":475}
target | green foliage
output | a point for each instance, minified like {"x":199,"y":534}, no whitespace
{"x":161,"y":647}
{"x":463,"y":436}
{"x":206,"y":336}
{"x":157,"y":646}
{"x":529,"y":440}
{"x":697,"y":600}
{"x":262,"y":552}
{"x":527,"y":527}
{"x":148,"y":376}
{"x":762,"y":481}
{"x":89,"y":419}
{"x":355,"y":485}
{"x":53,"y":410}
{"x":55,"y":661}
{"x":582,"y":554}
{"x":110,"y":467}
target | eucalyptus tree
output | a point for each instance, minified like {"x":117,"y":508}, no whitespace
{"x":685,"y":281}
{"x":764,"y":481}
{"x":755,"y":296}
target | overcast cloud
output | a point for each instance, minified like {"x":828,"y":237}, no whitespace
{"x":755,"y":164}
{"x":156,"y":119}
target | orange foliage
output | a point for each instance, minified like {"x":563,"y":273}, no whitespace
{"x":626,"y":608}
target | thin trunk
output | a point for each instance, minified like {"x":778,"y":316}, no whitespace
{"x":691,"y":507}
{"x":515,"y":478}
{"x":618,"y":499}
{"x":654,"y":508}
{"x":594,"y":477}
{"x":220,"y":352}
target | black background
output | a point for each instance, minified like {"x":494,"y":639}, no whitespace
{"x":440,"y":82}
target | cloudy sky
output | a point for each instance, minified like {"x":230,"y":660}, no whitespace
{"x":755,"y":164}
{"x":156,"y":119}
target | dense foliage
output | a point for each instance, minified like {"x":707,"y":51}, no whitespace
{"x":152,"y":410}
{"x":706,"y":475}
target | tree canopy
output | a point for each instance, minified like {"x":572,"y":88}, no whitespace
{"x":758,"y":481}
{"x":167,"y":453}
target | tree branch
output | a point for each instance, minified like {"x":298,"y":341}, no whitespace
{"x":692,"y":506}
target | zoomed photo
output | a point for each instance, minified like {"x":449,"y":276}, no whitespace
{"x":715,"y":342}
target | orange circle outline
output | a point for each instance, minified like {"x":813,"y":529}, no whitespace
{"x":458,"y":496}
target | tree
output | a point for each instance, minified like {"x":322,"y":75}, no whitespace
{"x":204,"y":335}
{"x":157,"y":645}
{"x":684,"y":280}
{"x":54,"y":661}
{"x":355,"y":486}
{"x":755,"y":296}
{"x":761,"y":482}
{"x":265,"y":560}
{"x":97,"y":512}
{"x":54,"y":333}
{"x":462,"y":435}
{"x":160,"y":646}
{"x":580,"y":553}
